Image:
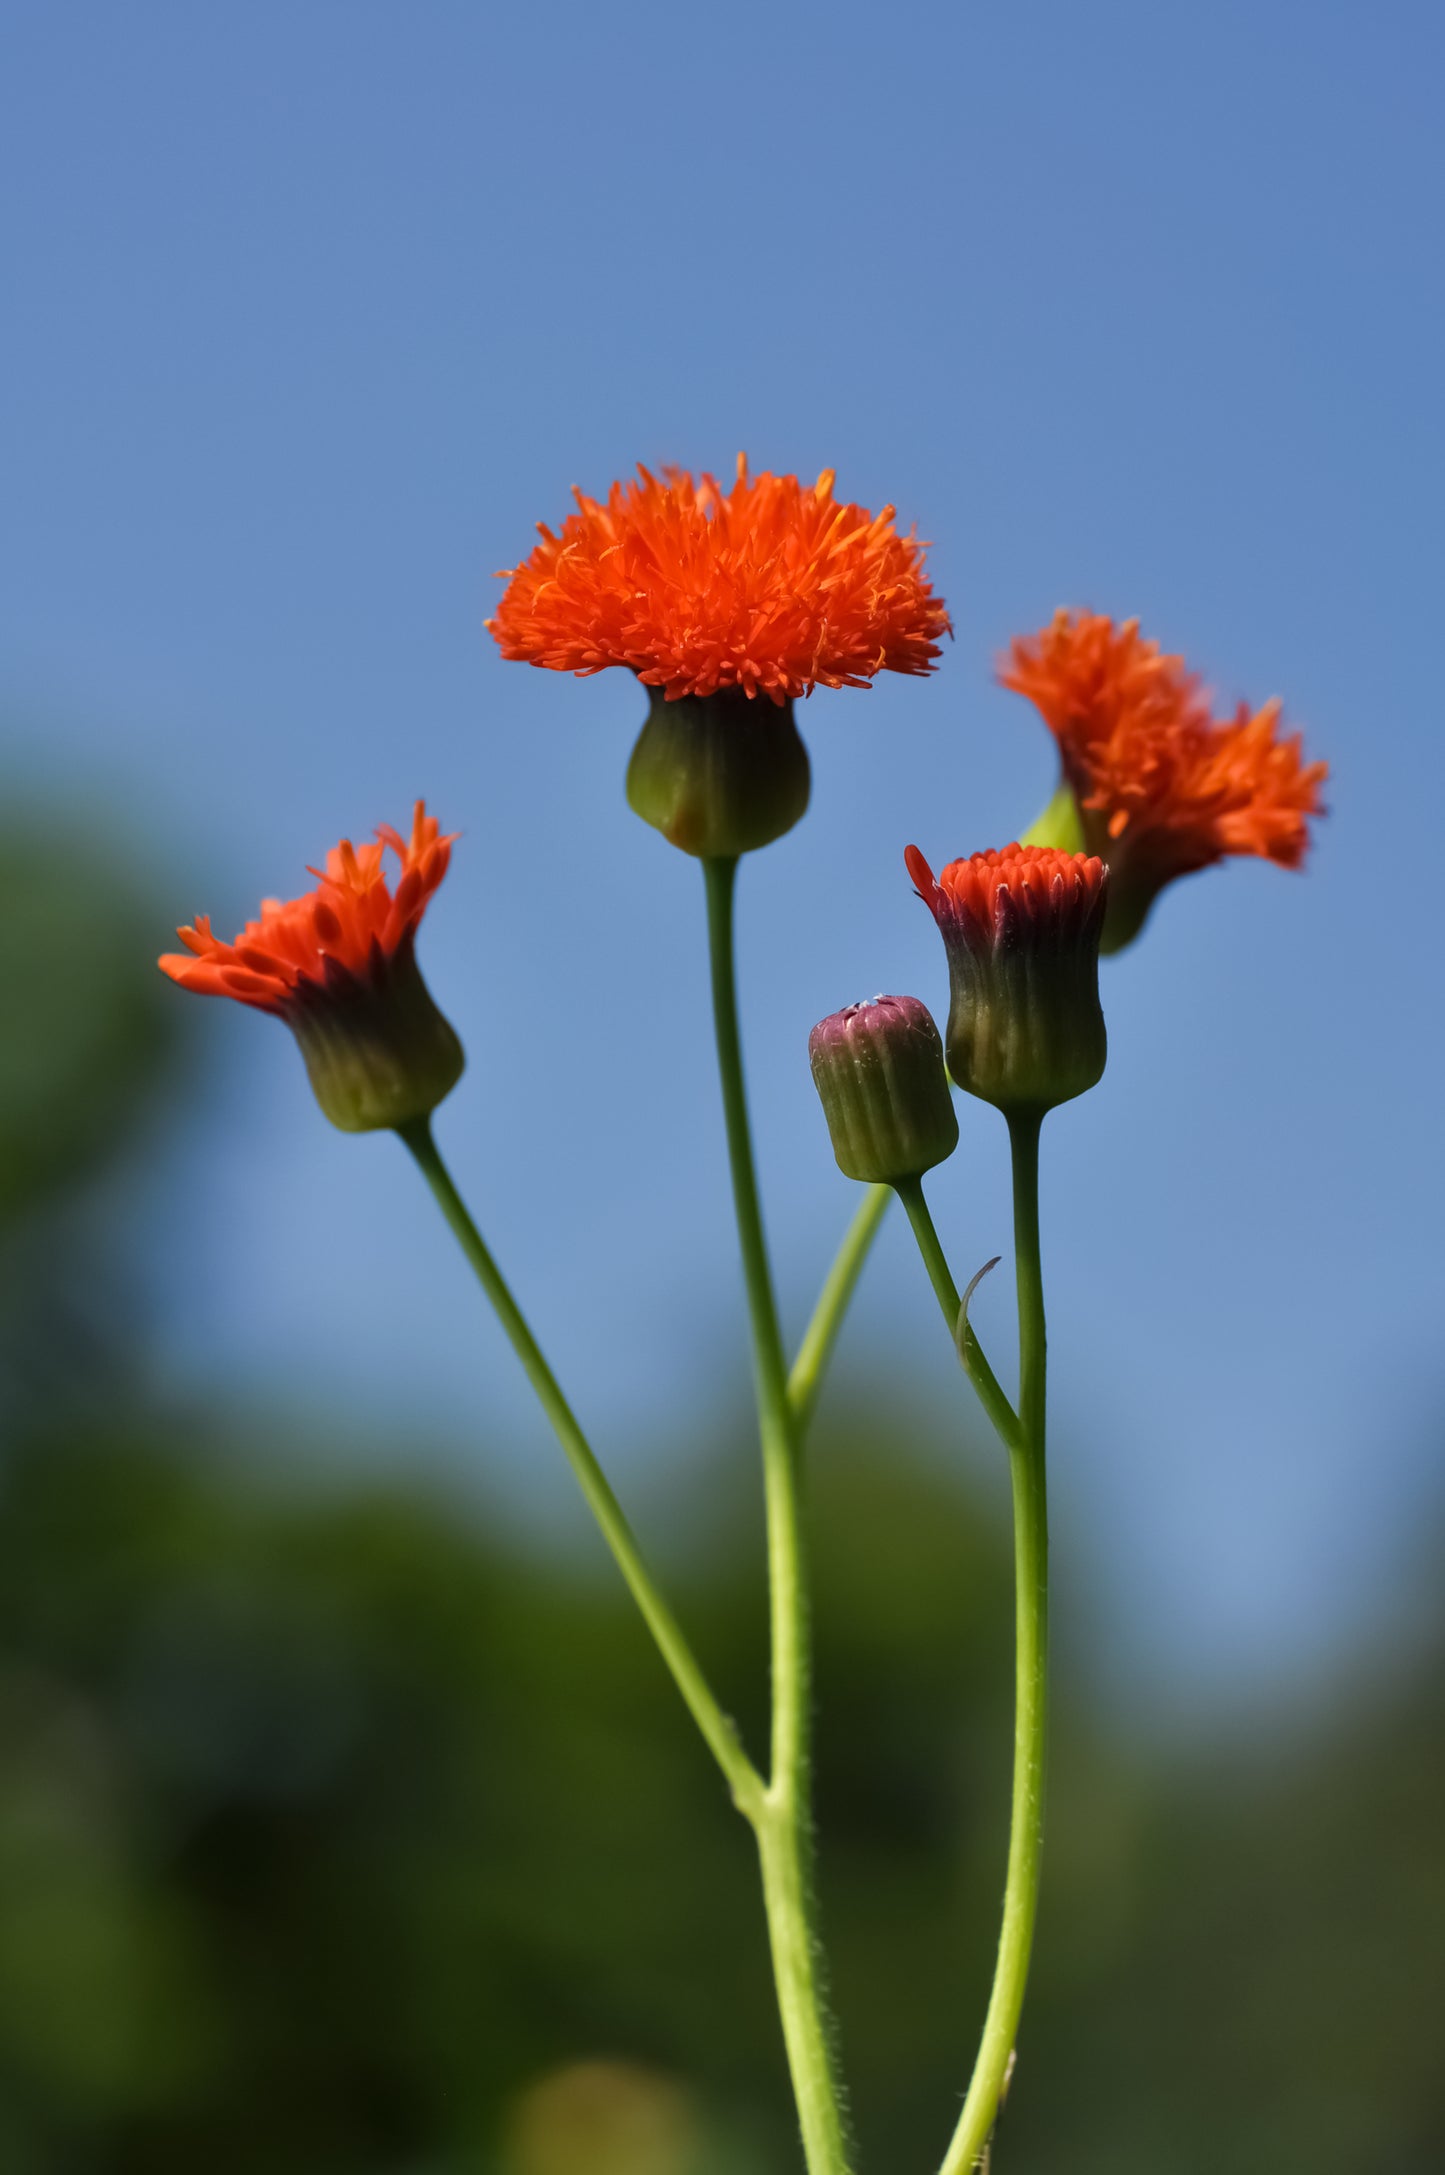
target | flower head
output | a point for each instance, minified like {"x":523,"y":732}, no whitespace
{"x":1021,"y":930}
{"x":773,"y":587}
{"x":338,"y":965}
{"x":1162,"y":787}
{"x":878,"y":1069}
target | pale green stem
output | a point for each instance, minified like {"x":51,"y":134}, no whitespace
{"x":821,"y":1335}
{"x":784,"y":1822}
{"x":1031,"y":1569}
{"x":717,"y":1729}
{"x":970,"y":1351}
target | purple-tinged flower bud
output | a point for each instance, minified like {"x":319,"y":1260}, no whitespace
{"x":878,"y":1069}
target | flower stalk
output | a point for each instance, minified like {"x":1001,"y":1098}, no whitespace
{"x":784,"y":1818}
{"x":806,"y":1377}
{"x":1031,"y":1637}
{"x":717,"y":1728}
{"x":991,"y":1394}
{"x":1023,"y":1436}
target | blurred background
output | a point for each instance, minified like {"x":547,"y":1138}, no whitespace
{"x":347,"y":1821}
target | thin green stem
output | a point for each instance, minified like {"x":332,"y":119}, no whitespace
{"x":990,"y":1392}
{"x":784,"y":1825}
{"x":821,"y":1335}
{"x":722,"y":1738}
{"x":1033,"y":1339}
{"x":1031,"y":1568}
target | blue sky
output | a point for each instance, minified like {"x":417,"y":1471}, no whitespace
{"x":314,"y":309}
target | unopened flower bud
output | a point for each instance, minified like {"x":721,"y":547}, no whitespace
{"x":721,"y":774}
{"x":1021,"y":929}
{"x":338,"y":965}
{"x":878,"y":1069}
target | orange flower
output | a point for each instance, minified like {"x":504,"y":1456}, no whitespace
{"x":338,"y":965}
{"x":1021,"y":929}
{"x":771,"y":587}
{"x":1162,"y":786}
{"x":339,"y":929}
{"x":1011,"y":895}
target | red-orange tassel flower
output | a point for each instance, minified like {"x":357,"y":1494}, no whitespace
{"x":1161,"y":786}
{"x":713,"y":599}
{"x":1021,"y":929}
{"x":338,"y":965}
{"x":773,"y":587}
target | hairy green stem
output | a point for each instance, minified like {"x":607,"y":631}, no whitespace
{"x":1031,"y":1605}
{"x":821,"y":1335}
{"x":784,"y":1822}
{"x":743,"y":1778}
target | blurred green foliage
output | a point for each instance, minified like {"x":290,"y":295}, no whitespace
{"x":340,"y":1833}
{"x":82,"y":1029}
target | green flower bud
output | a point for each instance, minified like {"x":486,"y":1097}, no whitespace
{"x":378,"y":1052}
{"x":720,"y":774}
